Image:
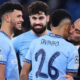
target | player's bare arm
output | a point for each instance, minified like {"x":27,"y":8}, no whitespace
{"x":69,"y":76}
{"x":25,"y":71}
{"x":2,"y":72}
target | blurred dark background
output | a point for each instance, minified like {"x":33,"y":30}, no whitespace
{"x":73,"y":6}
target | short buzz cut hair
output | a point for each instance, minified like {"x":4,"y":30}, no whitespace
{"x":37,"y":6}
{"x":10,"y":7}
{"x":58,"y":16}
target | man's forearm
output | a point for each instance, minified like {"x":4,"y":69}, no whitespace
{"x":23,"y":77}
{"x":2,"y":78}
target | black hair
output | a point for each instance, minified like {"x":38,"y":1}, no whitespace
{"x":9,"y":7}
{"x":38,"y":6}
{"x":58,"y":15}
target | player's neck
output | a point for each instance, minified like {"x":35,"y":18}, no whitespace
{"x":57,"y":32}
{"x":44,"y":33}
{"x":6,"y":29}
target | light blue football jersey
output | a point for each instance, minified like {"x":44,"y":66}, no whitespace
{"x":51,"y":57}
{"x":22,"y":42}
{"x":8,"y":57}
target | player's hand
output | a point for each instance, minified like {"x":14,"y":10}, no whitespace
{"x":68,"y":77}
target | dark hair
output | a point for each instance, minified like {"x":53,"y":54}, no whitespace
{"x":38,"y":6}
{"x":9,"y":7}
{"x":58,"y":15}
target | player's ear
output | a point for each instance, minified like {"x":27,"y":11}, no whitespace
{"x":67,"y":26}
{"x":6,"y":17}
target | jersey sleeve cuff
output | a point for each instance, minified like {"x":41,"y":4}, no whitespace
{"x":28,"y":61}
{"x":72,"y":70}
{"x":2,"y":62}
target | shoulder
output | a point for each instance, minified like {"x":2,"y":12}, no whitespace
{"x":4,"y":40}
{"x":5,"y":44}
{"x":21,"y":36}
{"x":69,"y":44}
{"x":70,"y":47}
{"x":38,"y":40}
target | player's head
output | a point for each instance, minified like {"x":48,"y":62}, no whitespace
{"x":39,"y":16}
{"x":61,"y":19}
{"x":75,"y":31}
{"x":11,"y":13}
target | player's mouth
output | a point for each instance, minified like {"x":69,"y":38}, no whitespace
{"x":19,"y":25}
{"x":38,"y":27}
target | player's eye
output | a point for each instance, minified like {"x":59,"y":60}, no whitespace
{"x":34,"y":18}
{"x":41,"y":18}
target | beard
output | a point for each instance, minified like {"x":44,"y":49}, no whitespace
{"x":38,"y":30}
{"x":16,"y":31}
{"x":73,"y":41}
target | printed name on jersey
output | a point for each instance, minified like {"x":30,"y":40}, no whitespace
{"x":48,"y":42}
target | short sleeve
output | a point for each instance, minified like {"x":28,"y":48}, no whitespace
{"x":28,"y":57}
{"x":73,"y":60}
